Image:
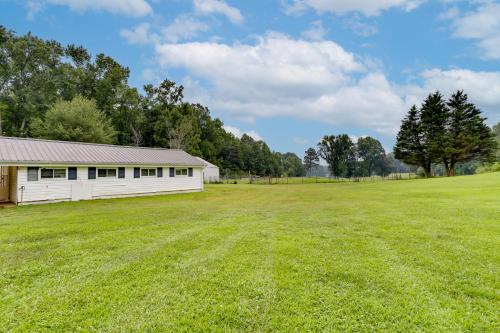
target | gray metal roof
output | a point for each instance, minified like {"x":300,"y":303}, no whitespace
{"x":207,"y":163}
{"x":35,"y":151}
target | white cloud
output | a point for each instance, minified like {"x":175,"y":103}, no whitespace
{"x":33,"y":7}
{"x":126,"y":7}
{"x":482,"y":25}
{"x":239,"y":133}
{"x":140,"y":34}
{"x":365,"y":7}
{"x":280,"y":76}
{"x":359,"y":27}
{"x":209,"y":7}
{"x":315,"y":32}
{"x":483,"y":88}
{"x":184,"y":27}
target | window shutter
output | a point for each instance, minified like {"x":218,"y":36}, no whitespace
{"x":137,"y":172}
{"x":159,"y":172}
{"x":92,"y":173}
{"x":72,"y":173}
{"x":121,"y":172}
{"x":190,"y":172}
{"x":172,"y":172}
{"x":32,"y":174}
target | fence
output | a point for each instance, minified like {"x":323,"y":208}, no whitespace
{"x":312,"y":180}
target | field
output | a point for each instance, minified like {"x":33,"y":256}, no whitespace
{"x":410,"y":255}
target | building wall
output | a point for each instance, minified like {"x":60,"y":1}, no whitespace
{"x":13,"y":184}
{"x":61,"y":189}
{"x":211,"y":174}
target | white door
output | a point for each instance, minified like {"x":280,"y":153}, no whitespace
{"x":81,"y":191}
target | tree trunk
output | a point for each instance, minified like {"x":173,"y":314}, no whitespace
{"x":452,"y":169}
{"x":447,"y":167}
{"x":427,"y":170}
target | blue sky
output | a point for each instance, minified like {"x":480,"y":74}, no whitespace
{"x":290,"y":71}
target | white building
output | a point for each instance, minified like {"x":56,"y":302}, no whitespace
{"x":38,"y":171}
{"x":210,"y":171}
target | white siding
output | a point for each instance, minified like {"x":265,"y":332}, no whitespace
{"x":211,"y":174}
{"x":60,"y":189}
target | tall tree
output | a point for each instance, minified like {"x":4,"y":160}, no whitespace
{"x":76,"y":120}
{"x":337,"y":152}
{"x":370,"y":153}
{"x":311,"y":160}
{"x":467,"y":137}
{"x":410,"y":147}
{"x":496,"y":132}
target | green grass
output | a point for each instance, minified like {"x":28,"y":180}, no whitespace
{"x":413,"y":255}
{"x":314,"y":180}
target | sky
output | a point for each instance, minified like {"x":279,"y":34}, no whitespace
{"x":290,"y":71}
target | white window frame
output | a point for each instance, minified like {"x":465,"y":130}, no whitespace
{"x":107,"y":173}
{"x":181,"y":172}
{"x":149,"y":172}
{"x":53,"y":174}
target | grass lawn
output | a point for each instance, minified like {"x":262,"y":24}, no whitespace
{"x":415,"y":255}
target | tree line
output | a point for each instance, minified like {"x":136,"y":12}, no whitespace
{"x":445,"y":132}
{"x":52,"y":91}
{"x":345,"y":158}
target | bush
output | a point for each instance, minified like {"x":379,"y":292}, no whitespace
{"x":493,"y":167}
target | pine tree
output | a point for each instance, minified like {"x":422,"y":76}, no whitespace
{"x":468,"y":137}
{"x":311,"y":160}
{"x":410,"y":147}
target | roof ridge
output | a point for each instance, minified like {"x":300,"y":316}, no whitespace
{"x":86,"y":143}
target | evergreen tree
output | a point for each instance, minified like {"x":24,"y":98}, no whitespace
{"x":410,"y":147}
{"x":311,"y":160}
{"x":468,"y":137}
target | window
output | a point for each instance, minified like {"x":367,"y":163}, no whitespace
{"x":106,"y":173}
{"x":53,"y":173}
{"x":137,"y":172}
{"x":172,"y":172}
{"x":160,"y":172}
{"x":32,"y":174}
{"x":121,"y":172}
{"x":181,"y":172}
{"x":72,"y":173}
{"x":92,"y":173}
{"x":148,"y":172}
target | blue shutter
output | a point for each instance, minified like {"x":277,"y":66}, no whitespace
{"x":190,"y":172}
{"x":92,"y":173}
{"x":172,"y":172}
{"x":159,"y":172}
{"x":137,"y":172}
{"x":72,"y":173}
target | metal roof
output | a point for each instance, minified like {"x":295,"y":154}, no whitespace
{"x":36,"y":151}
{"x":207,"y":164}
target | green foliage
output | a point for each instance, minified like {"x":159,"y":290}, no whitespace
{"x":493,"y":167}
{"x":77,"y":120}
{"x":371,"y":156}
{"x":448,"y":133}
{"x":36,"y":74}
{"x":311,"y":160}
{"x":338,"y":152}
{"x":402,"y":256}
{"x":496,"y":133}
